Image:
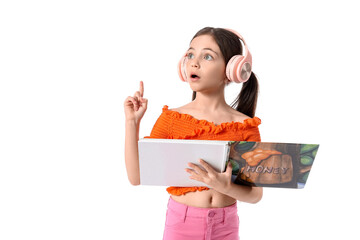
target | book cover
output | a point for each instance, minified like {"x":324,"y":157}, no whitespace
{"x":270,"y":164}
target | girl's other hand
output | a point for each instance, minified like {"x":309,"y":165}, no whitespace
{"x":135,"y":106}
{"x":221,"y":182}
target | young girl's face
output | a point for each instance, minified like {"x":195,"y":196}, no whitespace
{"x":205,"y":65}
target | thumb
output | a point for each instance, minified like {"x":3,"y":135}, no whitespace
{"x":144,"y":102}
{"x":229,"y":168}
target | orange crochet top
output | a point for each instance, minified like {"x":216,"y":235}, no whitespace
{"x":175,"y":125}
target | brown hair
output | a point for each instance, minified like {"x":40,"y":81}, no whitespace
{"x":230,"y":45}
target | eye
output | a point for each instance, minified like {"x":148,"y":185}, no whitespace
{"x":190,"y":56}
{"x":208,"y":57}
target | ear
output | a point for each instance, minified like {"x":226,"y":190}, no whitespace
{"x":226,"y":80}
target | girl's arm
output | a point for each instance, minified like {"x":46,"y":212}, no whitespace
{"x":131,"y":151}
{"x":135,"y":108}
{"x":244,"y":193}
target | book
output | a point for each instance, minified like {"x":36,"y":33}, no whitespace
{"x":260,"y":164}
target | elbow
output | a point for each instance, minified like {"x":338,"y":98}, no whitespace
{"x":134,"y":182}
{"x":257,"y":199}
{"x":258,"y":193}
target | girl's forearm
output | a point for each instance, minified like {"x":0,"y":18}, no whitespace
{"x":244,"y":193}
{"x":131,"y":151}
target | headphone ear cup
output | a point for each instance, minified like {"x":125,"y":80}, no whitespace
{"x":245,"y":71}
{"x":181,"y":69}
{"x":238,"y":69}
{"x":232,"y":66}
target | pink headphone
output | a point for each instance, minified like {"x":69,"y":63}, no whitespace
{"x":238,"y":69}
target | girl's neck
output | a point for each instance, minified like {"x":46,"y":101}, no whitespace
{"x":210,"y":102}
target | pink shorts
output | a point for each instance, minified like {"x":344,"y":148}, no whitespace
{"x":184,"y":222}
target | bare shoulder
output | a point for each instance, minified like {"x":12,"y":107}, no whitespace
{"x":238,"y":116}
{"x":182,"y":109}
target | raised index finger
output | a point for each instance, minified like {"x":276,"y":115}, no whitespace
{"x":141,"y":88}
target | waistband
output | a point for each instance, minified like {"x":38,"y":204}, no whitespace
{"x":196,"y":212}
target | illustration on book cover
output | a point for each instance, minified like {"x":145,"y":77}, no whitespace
{"x":271,"y":164}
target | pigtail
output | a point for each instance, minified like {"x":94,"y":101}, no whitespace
{"x":247,"y":99}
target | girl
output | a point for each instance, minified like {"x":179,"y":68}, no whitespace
{"x":201,"y":212}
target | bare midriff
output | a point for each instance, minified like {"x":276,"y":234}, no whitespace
{"x":205,"y":199}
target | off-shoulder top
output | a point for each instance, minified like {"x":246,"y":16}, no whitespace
{"x":174,"y":125}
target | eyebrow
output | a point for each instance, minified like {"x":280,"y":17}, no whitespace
{"x":190,"y":48}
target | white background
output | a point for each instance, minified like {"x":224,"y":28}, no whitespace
{"x":66,"y":68}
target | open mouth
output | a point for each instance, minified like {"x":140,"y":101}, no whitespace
{"x":194,"y":76}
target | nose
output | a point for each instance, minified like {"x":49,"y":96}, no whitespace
{"x":194,"y":63}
